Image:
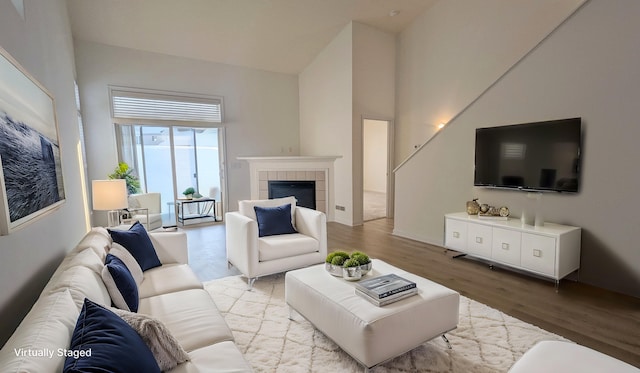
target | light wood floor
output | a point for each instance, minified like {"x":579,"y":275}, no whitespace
{"x":603,"y":320}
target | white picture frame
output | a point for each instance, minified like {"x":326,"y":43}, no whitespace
{"x":31,"y":178}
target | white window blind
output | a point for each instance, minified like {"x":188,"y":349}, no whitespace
{"x":144,"y":104}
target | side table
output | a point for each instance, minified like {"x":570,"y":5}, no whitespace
{"x":205,"y":208}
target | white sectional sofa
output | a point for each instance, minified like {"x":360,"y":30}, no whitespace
{"x":170,"y":293}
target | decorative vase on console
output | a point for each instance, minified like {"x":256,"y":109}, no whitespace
{"x":473,"y":207}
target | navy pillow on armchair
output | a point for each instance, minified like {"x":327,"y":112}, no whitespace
{"x":274,"y":220}
{"x":137,"y":241}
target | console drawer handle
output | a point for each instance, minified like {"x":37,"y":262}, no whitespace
{"x":456,"y":234}
{"x":505,"y":246}
{"x":537,"y":253}
{"x":478,"y":239}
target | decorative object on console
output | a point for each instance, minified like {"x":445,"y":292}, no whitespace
{"x":492,"y":212}
{"x":504,"y":211}
{"x":473,"y":207}
{"x":110,"y":195}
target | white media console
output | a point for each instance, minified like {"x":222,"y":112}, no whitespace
{"x":551,"y":250}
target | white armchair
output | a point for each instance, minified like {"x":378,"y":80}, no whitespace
{"x":257,"y":256}
{"x":151,"y":202}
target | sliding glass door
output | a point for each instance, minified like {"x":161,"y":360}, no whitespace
{"x":197,"y":160}
{"x":170,"y":159}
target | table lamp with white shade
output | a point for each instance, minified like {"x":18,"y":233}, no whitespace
{"x":110,"y":195}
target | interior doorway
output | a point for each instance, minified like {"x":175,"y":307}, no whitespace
{"x":377,"y":151}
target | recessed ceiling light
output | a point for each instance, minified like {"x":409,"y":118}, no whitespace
{"x":394,"y":13}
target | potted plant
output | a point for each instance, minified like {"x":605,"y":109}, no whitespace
{"x":334,"y":262}
{"x":351,"y":270}
{"x":188,"y":193}
{"x":124,"y":172}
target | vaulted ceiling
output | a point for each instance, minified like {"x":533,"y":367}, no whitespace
{"x":274,"y":35}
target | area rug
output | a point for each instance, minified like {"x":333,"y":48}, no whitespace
{"x":486,"y":339}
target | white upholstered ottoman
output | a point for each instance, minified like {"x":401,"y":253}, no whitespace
{"x":370,"y":334}
{"x":558,"y":356}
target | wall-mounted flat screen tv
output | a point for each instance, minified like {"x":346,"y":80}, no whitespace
{"x":539,"y":156}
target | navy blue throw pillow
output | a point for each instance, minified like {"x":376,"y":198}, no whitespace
{"x":120,"y":284}
{"x":103,"y":342}
{"x":137,"y":241}
{"x":274,"y":220}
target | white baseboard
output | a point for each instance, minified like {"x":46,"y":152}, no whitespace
{"x":417,"y":237}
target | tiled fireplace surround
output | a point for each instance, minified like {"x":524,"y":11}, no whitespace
{"x":307,"y":168}
{"x":318,"y":176}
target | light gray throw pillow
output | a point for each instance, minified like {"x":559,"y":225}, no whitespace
{"x":165,"y":348}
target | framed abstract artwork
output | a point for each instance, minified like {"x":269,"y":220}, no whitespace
{"x":31,"y":182}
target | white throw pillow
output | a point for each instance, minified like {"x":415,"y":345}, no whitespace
{"x":246,"y":207}
{"x":164,"y":346}
{"x":128,"y":260}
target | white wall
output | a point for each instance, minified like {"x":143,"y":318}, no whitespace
{"x":374,"y":81}
{"x":588,"y":67}
{"x":375,"y":155}
{"x":260,"y":108}
{"x":455,"y":50}
{"x":352,"y":78}
{"x":42,"y":44}
{"x":325,"y":89}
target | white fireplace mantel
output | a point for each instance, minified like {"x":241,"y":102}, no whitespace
{"x":317,"y":168}
{"x":286,"y":159}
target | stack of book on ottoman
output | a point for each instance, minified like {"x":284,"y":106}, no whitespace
{"x":385,"y":289}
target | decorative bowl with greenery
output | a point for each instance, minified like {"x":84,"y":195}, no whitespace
{"x":334,"y":262}
{"x":337,"y":260}
{"x":364,"y":261}
{"x":351,"y":270}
